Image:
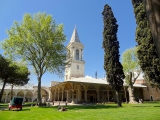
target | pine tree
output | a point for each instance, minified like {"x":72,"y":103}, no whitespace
{"x":112,"y":66}
{"x":147,"y":53}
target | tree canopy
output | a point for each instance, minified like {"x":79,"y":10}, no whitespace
{"x":130,"y":60}
{"x":39,"y":41}
{"x":12,"y":73}
{"x":112,"y":66}
{"x":146,"y":50}
{"x":130,"y":63}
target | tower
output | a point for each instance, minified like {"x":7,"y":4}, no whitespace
{"x":75,"y":57}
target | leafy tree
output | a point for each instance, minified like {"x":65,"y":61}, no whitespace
{"x":12,"y":73}
{"x":112,"y":66}
{"x":39,"y":41}
{"x":131,"y":69}
{"x":147,"y":54}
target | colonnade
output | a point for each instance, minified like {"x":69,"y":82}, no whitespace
{"x":28,"y":95}
{"x":79,"y":93}
{"x":74,"y":96}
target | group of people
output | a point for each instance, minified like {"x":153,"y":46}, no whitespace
{"x":140,"y":101}
{"x":62,"y":108}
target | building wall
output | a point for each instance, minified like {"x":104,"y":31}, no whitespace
{"x":150,"y":92}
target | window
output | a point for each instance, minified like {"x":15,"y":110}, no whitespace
{"x":77,"y":66}
{"x":77,"y":54}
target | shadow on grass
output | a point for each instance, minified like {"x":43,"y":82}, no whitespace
{"x":6,"y":109}
{"x":24,"y":110}
{"x":140,"y":106}
{"x":3,"y":106}
{"x":156,"y":106}
{"x":74,"y":107}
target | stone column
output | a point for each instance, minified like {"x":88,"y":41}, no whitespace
{"x":50,"y":97}
{"x":78,"y":97}
{"x":58,"y":96}
{"x":6,"y":98}
{"x":85,"y":96}
{"x":67,"y":96}
{"x":24,"y":98}
{"x":72,"y":96}
{"x":62,"y":95}
{"x":108,"y":95}
{"x":32,"y":98}
{"x":54,"y":96}
{"x":97,"y":95}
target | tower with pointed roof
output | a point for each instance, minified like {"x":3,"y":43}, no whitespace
{"x":75,"y":57}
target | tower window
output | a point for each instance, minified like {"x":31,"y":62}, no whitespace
{"x":77,"y":54}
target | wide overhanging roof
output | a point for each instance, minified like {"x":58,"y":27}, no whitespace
{"x":88,"y":80}
{"x":97,"y":81}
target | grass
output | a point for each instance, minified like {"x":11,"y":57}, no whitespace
{"x":145,"y":111}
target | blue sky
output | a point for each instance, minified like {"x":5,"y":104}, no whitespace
{"x":86,"y":15}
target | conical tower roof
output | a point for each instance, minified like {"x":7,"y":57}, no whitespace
{"x":75,"y":37}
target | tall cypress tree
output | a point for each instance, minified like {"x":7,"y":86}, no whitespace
{"x":112,"y":66}
{"x":152,"y":8}
{"x":147,"y":53}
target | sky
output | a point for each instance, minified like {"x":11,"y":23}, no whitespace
{"x":86,"y":15}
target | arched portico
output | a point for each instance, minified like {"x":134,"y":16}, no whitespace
{"x":44,"y":95}
{"x":91,"y":94}
{"x":20,"y":94}
{"x":4,"y":96}
{"x":29,"y":96}
{"x":10,"y":96}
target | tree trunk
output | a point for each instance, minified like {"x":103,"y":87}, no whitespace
{"x":152,"y":8}
{"x":39,"y":91}
{"x":131,"y":95}
{"x":119,"y":101}
{"x":1,"y":94}
{"x":125,"y":95}
{"x":131,"y":90}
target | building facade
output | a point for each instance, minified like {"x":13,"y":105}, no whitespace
{"x":77,"y":89}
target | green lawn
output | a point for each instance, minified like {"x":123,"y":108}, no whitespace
{"x":145,"y":111}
